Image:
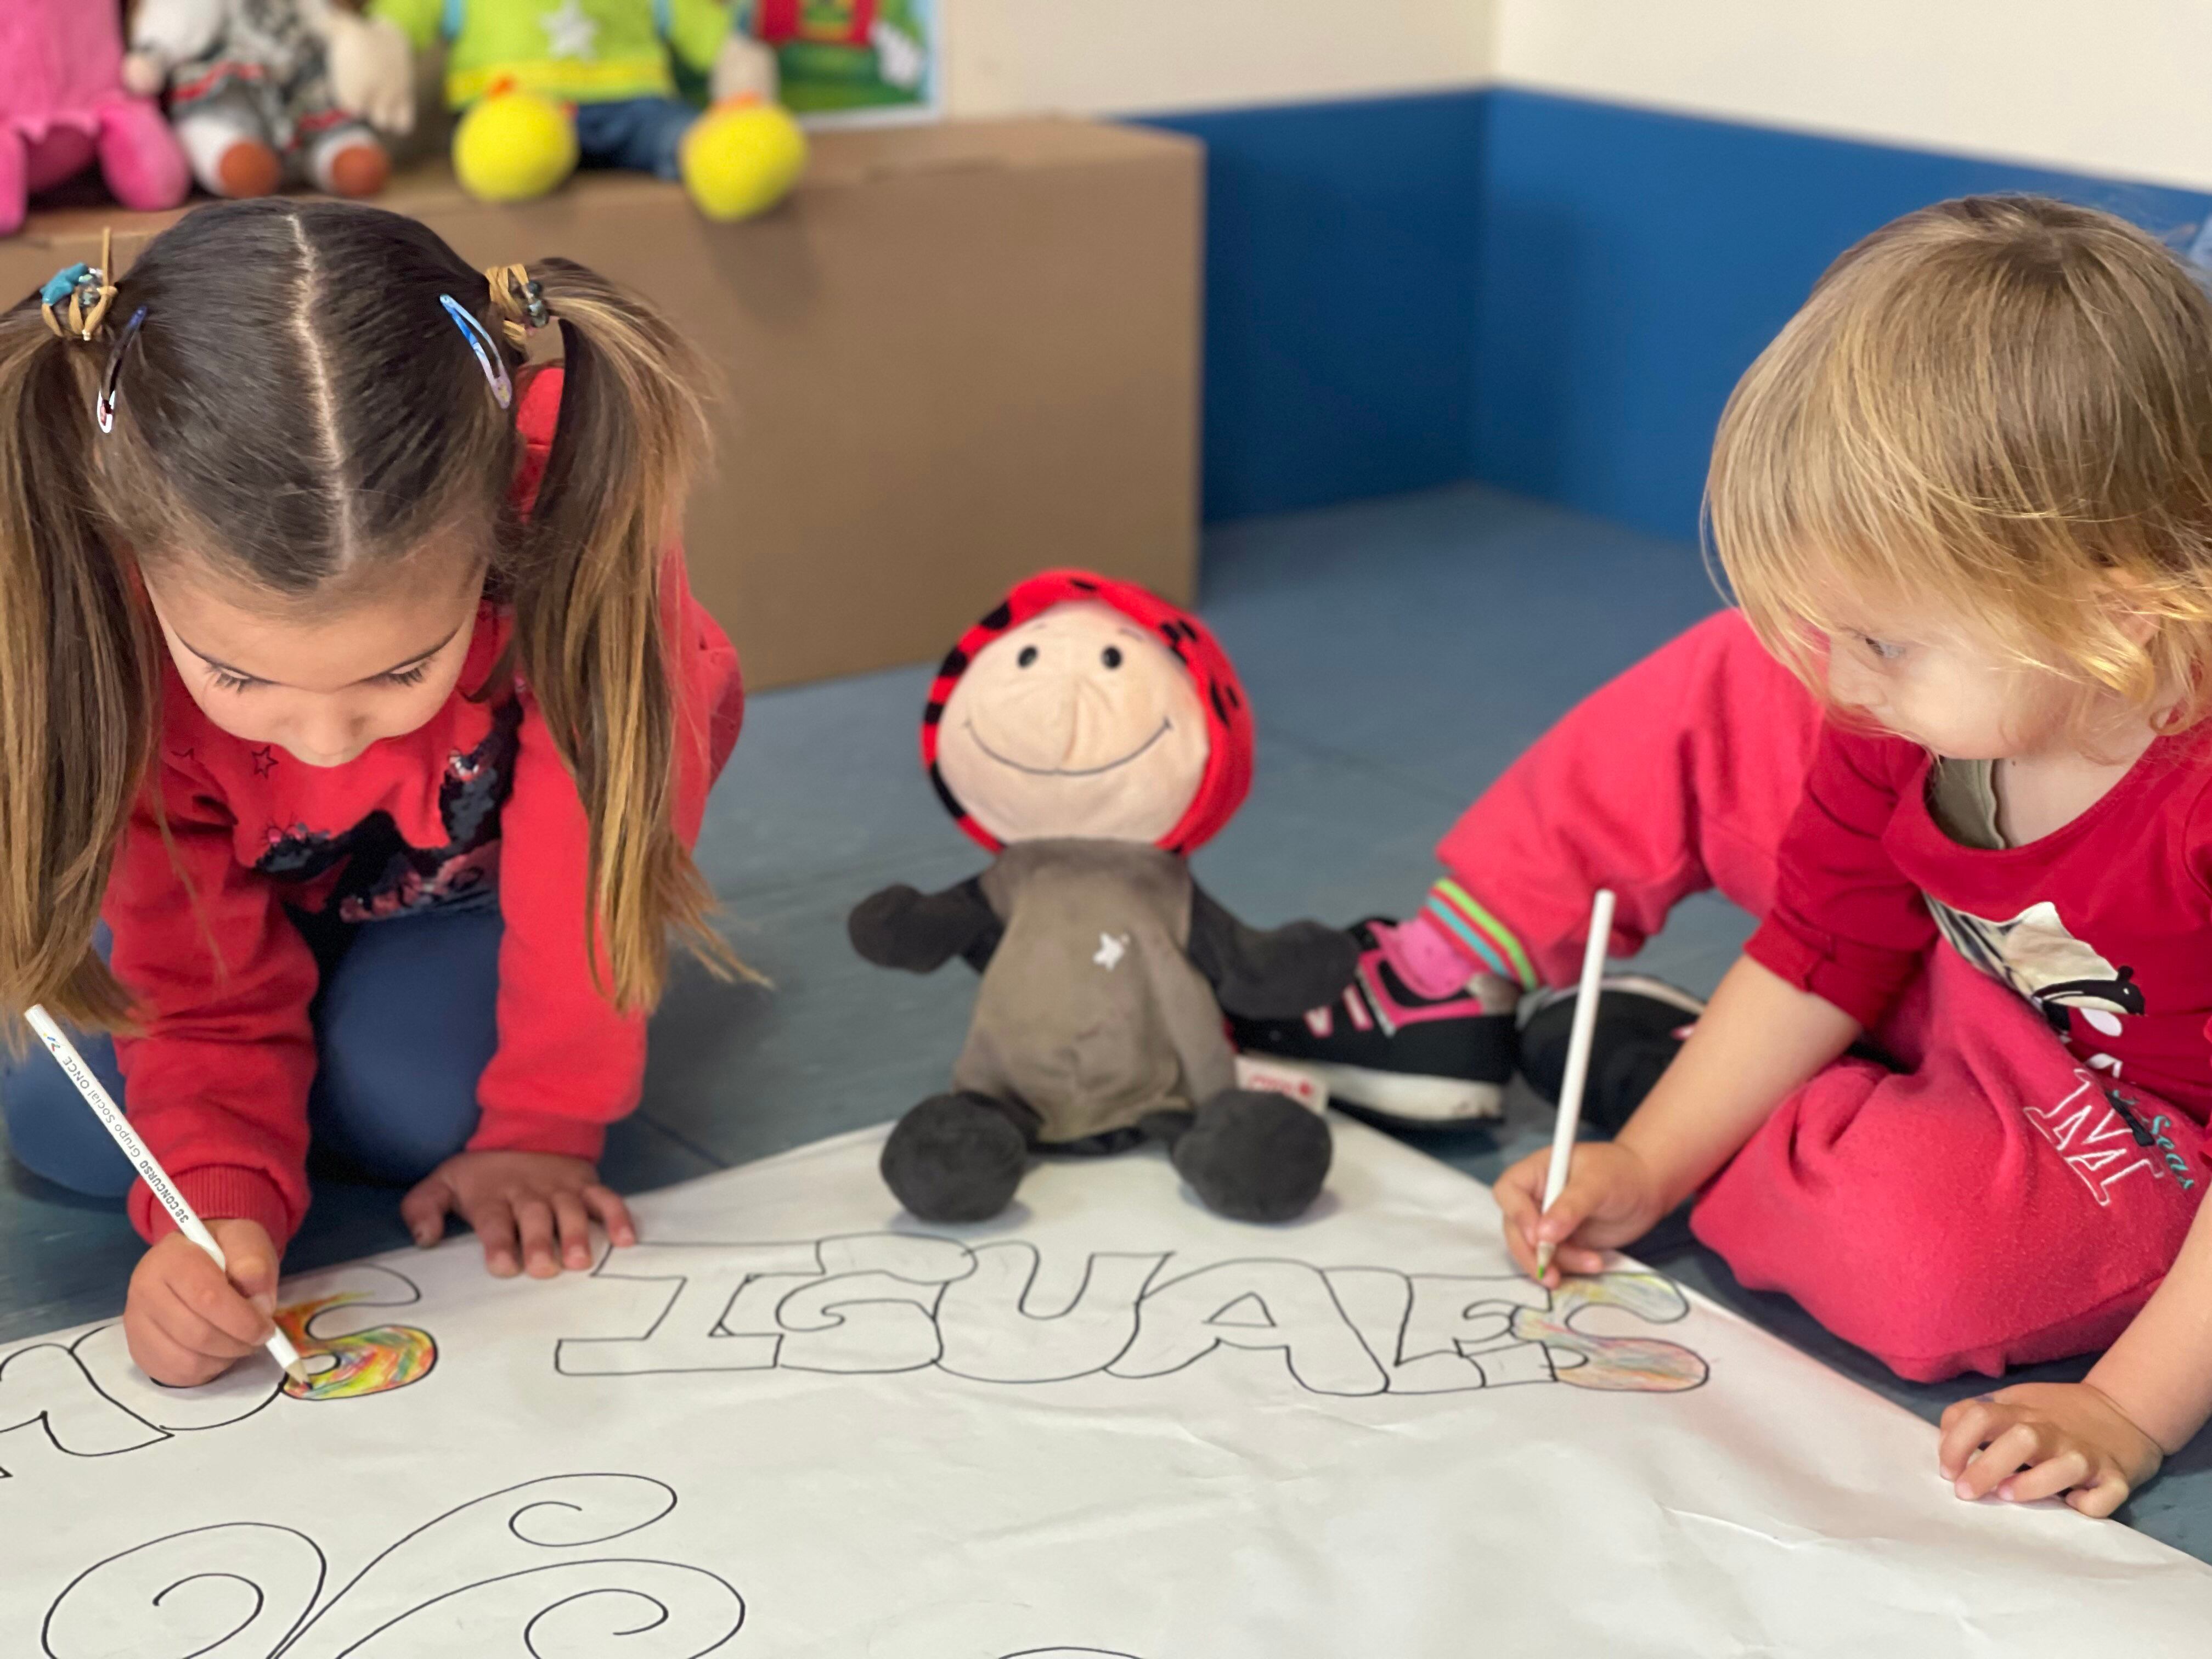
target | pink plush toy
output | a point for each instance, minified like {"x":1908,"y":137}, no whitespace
{"x":63,"y":104}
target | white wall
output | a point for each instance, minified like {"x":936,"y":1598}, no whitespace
{"x":1133,"y":56}
{"x":2114,"y":87}
{"x":2111,"y":87}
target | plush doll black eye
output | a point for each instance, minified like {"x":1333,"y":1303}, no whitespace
{"x":1028,"y":656}
{"x":1111,"y":656}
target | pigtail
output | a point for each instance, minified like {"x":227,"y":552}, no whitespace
{"x":591,"y":634}
{"x":79,"y":681}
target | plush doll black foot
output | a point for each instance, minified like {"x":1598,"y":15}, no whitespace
{"x":1253,"y":1156}
{"x":1091,"y":735}
{"x":958,"y":1157}
{"x":1248,"y":1154}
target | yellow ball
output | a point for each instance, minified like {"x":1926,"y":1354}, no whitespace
{"x":741,"y":158}
{"x":514,"y":146}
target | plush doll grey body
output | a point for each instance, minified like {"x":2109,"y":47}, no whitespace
{"x":1106,"y":970}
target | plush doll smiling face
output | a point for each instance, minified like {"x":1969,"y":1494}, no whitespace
{"x":1075,"y":723}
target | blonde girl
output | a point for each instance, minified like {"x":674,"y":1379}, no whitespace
{"x":1951,"y":752}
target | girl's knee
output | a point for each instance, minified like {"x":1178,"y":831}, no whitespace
{"x":1868,"y":1273}
{"x":1861,"y":1201}
{"x":53,"y":1133}
{"x":1930,"y":1227}
{"x":408,"y":1021}
{"x":390,"y":1121}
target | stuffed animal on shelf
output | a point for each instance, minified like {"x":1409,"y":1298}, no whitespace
{"x":545,"y":87}
{"x":63,"y":105}
{"x":1091,"y":735}
{"x":839,"y":50}
{"x":261,"y":91}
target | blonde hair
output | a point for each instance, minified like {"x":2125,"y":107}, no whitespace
{"x":1998,"y":408}
{"x":297,"y":411}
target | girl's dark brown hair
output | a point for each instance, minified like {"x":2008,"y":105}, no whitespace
{"x":298,"y":414}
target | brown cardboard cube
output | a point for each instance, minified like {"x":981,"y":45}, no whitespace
{"x":959,"y":354}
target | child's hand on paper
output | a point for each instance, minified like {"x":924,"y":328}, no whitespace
{"x":185,"y":1321}
{"x":533,"y":1211}
{"x":2037,"y":1439}
{"x":1611,"y":1198}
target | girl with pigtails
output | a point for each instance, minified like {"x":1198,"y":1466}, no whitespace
{"x":355,"y":721}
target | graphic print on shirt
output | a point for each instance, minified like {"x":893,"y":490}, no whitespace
{"x":2036,"y":955}
{"x":2106,"y":1136}
{"x":378,"y":874}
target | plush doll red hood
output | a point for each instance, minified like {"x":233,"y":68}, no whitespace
{"x":1090,"y":735}
{"x":1215,"y":707}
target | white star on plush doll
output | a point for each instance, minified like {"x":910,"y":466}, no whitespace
{"x":569,"y":31}
{"x":1109,"y":951}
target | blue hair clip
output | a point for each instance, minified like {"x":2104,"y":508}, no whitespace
{"x":64,"y":282}
{"x":486,"y":349}
{"x":103,"y":406}
{"x":76,"y":298}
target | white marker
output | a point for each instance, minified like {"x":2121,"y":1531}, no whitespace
{"x":1579,"y":1036}
{"x":155,"y":1177}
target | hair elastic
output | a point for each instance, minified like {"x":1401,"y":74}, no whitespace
{"x":486,"y":347}
{"x":103,"y":406}
{"x":520,"y":299}
{"x":85,"y":291}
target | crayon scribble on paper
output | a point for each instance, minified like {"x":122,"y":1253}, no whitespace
{"x":373,"y":1361}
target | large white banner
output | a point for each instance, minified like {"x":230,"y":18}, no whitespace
{"x":793,"y":1424}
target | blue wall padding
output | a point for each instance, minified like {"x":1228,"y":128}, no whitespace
{"x":1340,"y":299}
{"x":1550,"y":294}
{"x":1633,"y":264}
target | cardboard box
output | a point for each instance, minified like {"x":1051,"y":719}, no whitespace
{"x":959,"y":354}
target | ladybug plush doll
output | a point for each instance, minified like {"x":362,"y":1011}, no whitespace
{"x":1091,"y":736}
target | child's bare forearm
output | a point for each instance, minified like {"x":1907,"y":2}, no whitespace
{"x":2160,"y":1372}
{"x":1760,"y":1038}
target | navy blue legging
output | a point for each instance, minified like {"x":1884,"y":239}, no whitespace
{"x":404,"y":1023}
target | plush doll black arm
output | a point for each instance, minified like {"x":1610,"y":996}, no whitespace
{"x":1275,"y":975}
{"x":920,"y":933}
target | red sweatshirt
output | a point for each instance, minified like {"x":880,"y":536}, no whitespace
{"x":2104,"y":924}
{"x":476,"y":798}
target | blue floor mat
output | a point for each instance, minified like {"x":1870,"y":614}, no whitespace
{"x":1398,"y":655}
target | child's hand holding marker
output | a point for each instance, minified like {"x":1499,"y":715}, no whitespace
{"x":533,"y":1211}
{"x":1621,"y":1201}
{"x":1611,"y":1199}
{"x":200,"y":1296}
{"x":187,"y":1321}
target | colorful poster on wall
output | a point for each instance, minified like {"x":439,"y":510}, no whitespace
{"x":847,"y":61}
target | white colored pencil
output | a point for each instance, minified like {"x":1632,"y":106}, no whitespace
{"x":1578,"y":1052}
{"x":155,"y":1177}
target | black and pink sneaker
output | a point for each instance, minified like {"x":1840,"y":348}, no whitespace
{"x":1384,"y":1050}
{"x":1642,"y":1024}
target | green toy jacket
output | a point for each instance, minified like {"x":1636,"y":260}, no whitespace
{"x":579,"y":52}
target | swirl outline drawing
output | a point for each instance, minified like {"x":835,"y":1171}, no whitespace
{"x":449,"y":1590}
